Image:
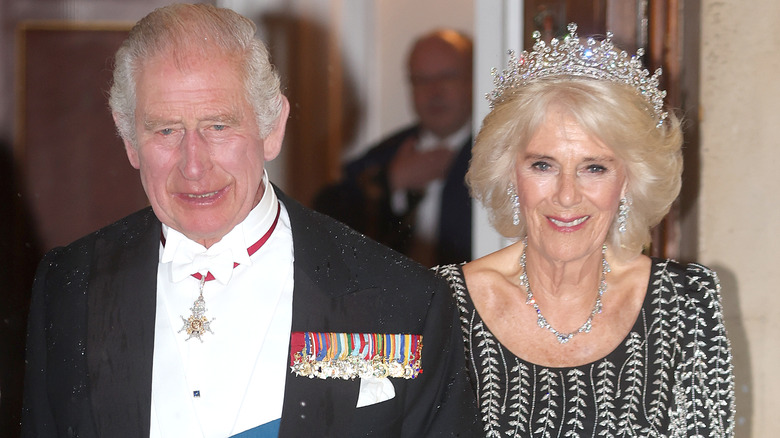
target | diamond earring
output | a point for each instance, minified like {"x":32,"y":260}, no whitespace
{"x":512,"y":193}
{"x":623,"y":209}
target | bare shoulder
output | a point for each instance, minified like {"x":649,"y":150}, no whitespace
{"x":493,"y":268}
{"x":631,"y":275}
{"x":492,"y":280}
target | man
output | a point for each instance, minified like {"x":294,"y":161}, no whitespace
{"x":408,"y":191}
{"x":228,"y":309}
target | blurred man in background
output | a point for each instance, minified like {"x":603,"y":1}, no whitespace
{"x":408,"y":191}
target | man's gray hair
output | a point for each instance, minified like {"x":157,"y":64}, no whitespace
{"x":181,"y":29}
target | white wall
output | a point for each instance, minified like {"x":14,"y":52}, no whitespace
{"x":740,"y":193}
{"x":498,"y":29}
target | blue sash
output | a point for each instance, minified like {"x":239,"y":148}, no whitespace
{"x":267,"y":430}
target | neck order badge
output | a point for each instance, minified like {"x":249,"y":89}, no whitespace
{"x":197,"y":324}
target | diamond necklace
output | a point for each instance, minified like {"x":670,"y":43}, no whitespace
{"x":541,"y":320}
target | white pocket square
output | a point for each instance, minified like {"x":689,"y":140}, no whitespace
{"x":374,"y":390}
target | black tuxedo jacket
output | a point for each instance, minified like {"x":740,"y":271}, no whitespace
{"x":365,"y":183}
{"x":91,"y":335}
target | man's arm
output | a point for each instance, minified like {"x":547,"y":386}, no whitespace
{"x":37,"y":416}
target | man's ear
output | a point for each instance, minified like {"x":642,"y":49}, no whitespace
{"x":132,"y":152}
{"x":272,"y":144}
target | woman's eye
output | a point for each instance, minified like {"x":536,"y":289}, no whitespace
{"x":596,"y":168}
{"x":541,"y":165}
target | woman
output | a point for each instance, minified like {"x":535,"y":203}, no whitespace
{"x":572,"y":331}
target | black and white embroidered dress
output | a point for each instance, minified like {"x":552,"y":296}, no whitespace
{"x":671,"y":376}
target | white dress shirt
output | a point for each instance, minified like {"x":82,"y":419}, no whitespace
{"x":239,"y":370}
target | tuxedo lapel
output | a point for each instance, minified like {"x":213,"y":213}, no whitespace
{"x":120,"y":329}
{"x":315,"y":406}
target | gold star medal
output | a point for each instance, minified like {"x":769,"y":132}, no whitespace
{"x":197,"y":324}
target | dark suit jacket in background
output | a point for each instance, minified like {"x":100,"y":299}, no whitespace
{"x":91,"y":335}
{"x":362,"y":200}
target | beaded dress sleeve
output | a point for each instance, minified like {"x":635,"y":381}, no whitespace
{"x":703,"y":376}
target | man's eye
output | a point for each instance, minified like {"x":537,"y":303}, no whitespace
{"x":219,"y":127}
{"x":166,"y":131}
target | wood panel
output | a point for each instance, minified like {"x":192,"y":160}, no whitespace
{"x":72,"y":170}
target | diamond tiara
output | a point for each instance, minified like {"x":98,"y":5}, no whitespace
{"x":596,"y":60}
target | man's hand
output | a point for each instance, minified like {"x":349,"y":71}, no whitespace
{"x":413,"y":170}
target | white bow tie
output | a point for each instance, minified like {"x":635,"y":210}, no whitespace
{"x":190,"y":258}
{"x":219,"y":265}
